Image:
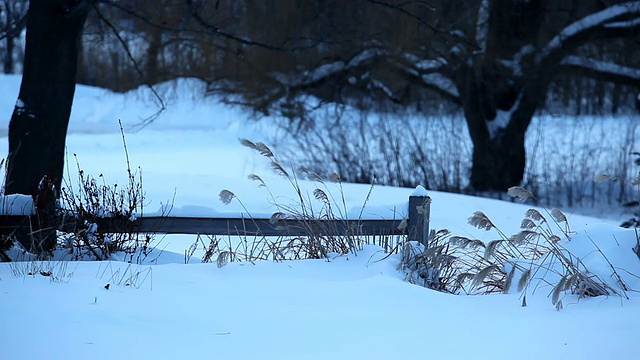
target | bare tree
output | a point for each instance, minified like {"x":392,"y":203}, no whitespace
{"x":503,"y":82}
{"x":13,"y":16}
{"x":494,"y":58}
{"x":38,"y":126}
{"x":501,"y":72}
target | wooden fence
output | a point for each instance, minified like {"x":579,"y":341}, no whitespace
{"x":416,"y":225}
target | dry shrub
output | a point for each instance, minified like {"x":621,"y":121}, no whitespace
{"x":94,"y":201}
{"x":320,"y":238}
{"x":535,"y":255}
{"x":320,"y":215}
{"x":398,"y":149}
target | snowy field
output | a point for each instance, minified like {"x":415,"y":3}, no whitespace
{"x":352,"y":307}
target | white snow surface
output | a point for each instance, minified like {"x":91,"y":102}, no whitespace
{"x":16,"y":204}
{"x":348,"y":307}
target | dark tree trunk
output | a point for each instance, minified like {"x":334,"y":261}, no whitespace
{"x":40,"y":119}
{"x":153,"y":52}
{"x":499,"y":160}
{"x":499,"y":100}
{"x":498,"y":112}
{"x":15,"y":24}
{"x":498,"y":165}
{"x":8,"y":56}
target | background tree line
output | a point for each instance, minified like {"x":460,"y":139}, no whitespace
{"x":497,"y":61}
{"x":157,"y":34}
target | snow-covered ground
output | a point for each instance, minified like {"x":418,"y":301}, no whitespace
{"x":352,"y":307}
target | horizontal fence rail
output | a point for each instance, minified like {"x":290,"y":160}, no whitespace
{"x":416,"y":226}
{"x":252,"y":227}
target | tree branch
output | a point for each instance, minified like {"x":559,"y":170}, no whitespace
{"x":400,"y":8}
{"x":246,"y":41}
{"x":613,"y":21}
{"x":163,"y":106}
{"x":14,"y":25}
{"x":215,"y":30}
{"x":442,"y":85}
{"x":602,"y":70}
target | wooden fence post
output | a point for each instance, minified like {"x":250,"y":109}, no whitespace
{"x":419,"y":213}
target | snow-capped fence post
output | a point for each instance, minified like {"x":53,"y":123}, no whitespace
{"x":419,"y":212}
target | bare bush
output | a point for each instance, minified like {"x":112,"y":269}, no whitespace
{"x":566,"y":152}
{"x":92,"y":202}
{"x":406,"y":149}
{"x":95,"y":200}
{"x":321,"y":239}
{"x":390,"y":149}
{"x":534,"y":257}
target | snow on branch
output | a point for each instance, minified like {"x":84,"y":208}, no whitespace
{"x":430,"y":73}
{"x":604,"y":69}
{"x":482,"y":24}
{"x":442,"y":84}
{"x":624,"y":24}
{"x":327,"y":70}
{"x":421,"y":65}
{"x":589,"y":23}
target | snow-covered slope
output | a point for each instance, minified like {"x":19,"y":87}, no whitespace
{"x":352,"y":307}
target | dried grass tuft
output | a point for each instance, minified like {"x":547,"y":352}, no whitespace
{"x":480,"y":221}
{"x":259,"y":147}
{"x":279,"y":169}
{"x":321,"y":195}
{"x":403,"y":224}
{"x":599,"y":178}
{"x":520,"y":193}
{"x":264,"y":150}
{"x":254,"y":177}
{"x":92,"y":201}
{"x":277,"y":217}
{"x":223,"y":258}
{"x":490,"y":249}
{"x":524,"y":280}
{"x":226,"y":196}
{"x":479,"y":278}
{"x":509,"y":280}
{"x":464,"y":243}
{"x":523,"y":237}
{"x":248,"y":143}
{"x":314,"y":177}
{"x":558,"y":289}
{"x":527,"y":224}
{"x":559,"y":216}
{"x":535,"y":215}
{"x":322,"y":239}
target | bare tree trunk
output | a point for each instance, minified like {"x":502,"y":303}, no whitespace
{"x":14,"y":17}
{"x":8,"y":56}
{"x":39,"y":122}
{"x":153,"y":52}
{"x":498,"y":164}
{"x":498,"y":113}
